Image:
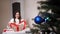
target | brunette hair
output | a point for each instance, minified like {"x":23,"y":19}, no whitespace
{"x":15,"y":14}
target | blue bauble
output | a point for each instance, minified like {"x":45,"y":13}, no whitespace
{"x":38,"y":20}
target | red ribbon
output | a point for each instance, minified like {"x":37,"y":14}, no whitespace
{"x":17,"y":26}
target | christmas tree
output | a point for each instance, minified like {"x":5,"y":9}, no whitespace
{"x":45,"y":21}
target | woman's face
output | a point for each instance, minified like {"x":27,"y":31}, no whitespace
{"x":17,"y":15}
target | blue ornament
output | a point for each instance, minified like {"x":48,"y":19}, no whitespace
{"x":38,"y":20}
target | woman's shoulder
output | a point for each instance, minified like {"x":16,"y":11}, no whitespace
{"x":22,"y":19}
{"x":12,"y":19}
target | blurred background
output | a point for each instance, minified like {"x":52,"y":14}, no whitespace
{"x":28,"y":10}
{"x":33,"y":11}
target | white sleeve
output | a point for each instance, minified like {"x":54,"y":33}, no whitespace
{"x":11,"y":21}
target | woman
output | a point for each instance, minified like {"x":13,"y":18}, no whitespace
{"x":17,"y":22}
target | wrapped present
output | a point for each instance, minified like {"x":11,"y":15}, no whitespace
{"x":14,"y":26}
{"x":18,"y":27}
{"x":24,"y":23}
{"x":7,"y":30}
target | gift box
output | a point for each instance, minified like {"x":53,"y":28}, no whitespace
{"x":14,"y":26}
{"x":7,"y":30}
{"x":18,"y":27}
